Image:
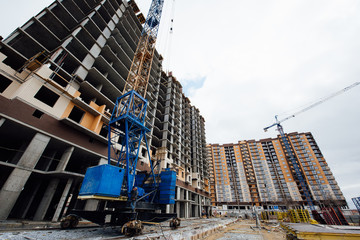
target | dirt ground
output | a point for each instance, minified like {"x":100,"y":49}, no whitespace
{"x":246,"y":229}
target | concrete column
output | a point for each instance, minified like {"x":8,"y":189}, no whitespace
{"x":99,"y":87}
{"x":46,"y":200}
{"x":2,"y":120}
{"x":187,"y":205}
{"x":30,"y":200}
{"x":103,"y":161}
{"x":178,"y":210}
{"x":178,"y":193}
{"x":34,"y":151}
{"x":62,"y":200}
{"x":51,"y":189}
{"x":18,"y":178}
{"x":65,"y":159}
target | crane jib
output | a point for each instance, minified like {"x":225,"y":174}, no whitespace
{"x":313,"y":105}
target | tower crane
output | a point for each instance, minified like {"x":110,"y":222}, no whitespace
{"x":126,"y":131}
{"x":129,"y":113}
{"x":278,"y":122}
{"x":138,"y":77}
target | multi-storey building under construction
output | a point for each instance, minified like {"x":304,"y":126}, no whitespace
{"x":260,"y":173}
{"x":60,"y":75}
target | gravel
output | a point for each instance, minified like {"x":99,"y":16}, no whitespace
{"x":81,"y":233}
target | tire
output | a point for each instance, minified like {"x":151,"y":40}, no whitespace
{"x":65,"y":224}
{"x":74,"y":223}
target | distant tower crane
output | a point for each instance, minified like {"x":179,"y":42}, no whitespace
{"x":287,"y":144}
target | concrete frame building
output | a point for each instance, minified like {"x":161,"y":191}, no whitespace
{"x":179,"y":139}
{"x":60,"y":74}
{"x":260,"y":173}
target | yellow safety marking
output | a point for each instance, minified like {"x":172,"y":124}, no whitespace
{"x":154,"y":223}
{"x":122,"y":198}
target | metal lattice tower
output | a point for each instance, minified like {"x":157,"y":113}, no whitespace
{"x":139,"y":73}
{"x":127,"y":127}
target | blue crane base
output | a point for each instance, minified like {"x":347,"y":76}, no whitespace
{"x":107,"y":181}
{"x":115,"y":180}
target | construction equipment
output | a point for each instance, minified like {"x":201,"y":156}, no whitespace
{"x":299,"y":215}
{"x":356,"y":201}
{"x":300,"y":176}
{"x":126,"y":133}
{"x":333,"y":216}
{"x":174,"y":223}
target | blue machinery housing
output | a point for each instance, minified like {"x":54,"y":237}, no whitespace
{"x":112,"y":183}
{"x":126,"y":131}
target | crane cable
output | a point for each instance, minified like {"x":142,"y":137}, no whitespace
{"x":165,"y":39}
{"x":169,"y":43}
{"x":320,"y":101}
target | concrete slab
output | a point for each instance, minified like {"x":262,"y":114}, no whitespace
{"x":190,"y":229}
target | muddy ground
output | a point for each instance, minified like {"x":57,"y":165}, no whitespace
{"x":246,"y":229}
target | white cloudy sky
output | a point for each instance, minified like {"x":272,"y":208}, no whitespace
{"x":241,"y":62}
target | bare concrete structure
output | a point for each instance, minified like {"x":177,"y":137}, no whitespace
{"x":60,"y":74}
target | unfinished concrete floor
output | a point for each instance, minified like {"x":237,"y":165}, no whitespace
{"x":190,"y":229}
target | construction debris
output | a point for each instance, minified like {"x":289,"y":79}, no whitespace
{"x":132,"y":228}
{"x":174,"y":223}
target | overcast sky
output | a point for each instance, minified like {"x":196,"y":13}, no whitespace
{"x":243,"y":62}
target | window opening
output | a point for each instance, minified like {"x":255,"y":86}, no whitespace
{"x":47,"y":96}
{"x":38,"y":113}
{"x":76,"y":114}
{"x":4,"y":83}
